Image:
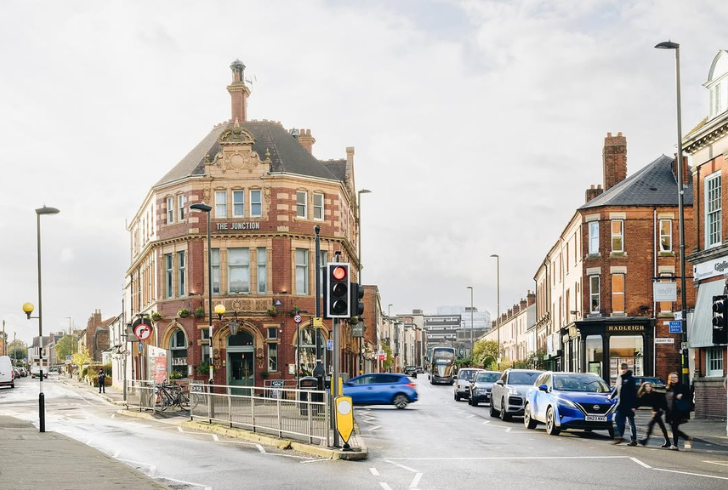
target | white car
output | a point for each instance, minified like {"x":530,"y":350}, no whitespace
{"x":508,"y":395}
{"x":35,"y":372}
{"x":462,"y":382}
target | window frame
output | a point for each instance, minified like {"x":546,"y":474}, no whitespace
{"x":714,"y":361}
{"x":238,"y":207}
{"x":713,"y":210}
{"x":272,"y":359}
{"x":169,"y":276}
{"x":256,"y":202}
{"x":221,"y":204}
{"x":619,"y":296}
{"x":617,"y":236}
{"x":302,"y":271}
{"x":302,"y":207}
{"x":180,"y":207}
{"x":243,"y":267}
{"x":261,"y":270}
{"x":595,"y":295}
{"x":319,"y":207}
{"x":594,"y":238}
{"x":215,"y":270}
{"x":170,"y":209}
{"x":181,"y":266}
{"x":663,"y":235}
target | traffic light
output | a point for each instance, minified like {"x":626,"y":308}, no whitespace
{"x":720,"y":319}
{"x":337,"y":290}
{"x":357,"y":293}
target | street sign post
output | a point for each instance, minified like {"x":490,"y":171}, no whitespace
{"x":676,"y":326}
{"x":142,"y":331}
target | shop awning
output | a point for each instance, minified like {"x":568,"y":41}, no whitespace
{"x":700,"y":333}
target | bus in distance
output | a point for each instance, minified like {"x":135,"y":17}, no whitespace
{"x":442,"y":367}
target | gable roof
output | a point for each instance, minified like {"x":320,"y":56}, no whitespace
{"x":286,"y":153}
{"x":653,"y":185}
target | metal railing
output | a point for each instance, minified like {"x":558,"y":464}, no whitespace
{"x":283,"y":412}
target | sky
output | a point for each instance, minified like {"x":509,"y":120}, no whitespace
{"x":477,"y":126}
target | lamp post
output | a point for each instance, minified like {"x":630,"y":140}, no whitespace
{"x":497,"y":321}
{"x":206,"y":209}
{"x":358,"y":221}
{"x":681,"y":216}
{"x":28,"y":309}
{"x":472,"y":344}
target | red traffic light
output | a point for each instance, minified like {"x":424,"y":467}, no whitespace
{"x":339,"y":273}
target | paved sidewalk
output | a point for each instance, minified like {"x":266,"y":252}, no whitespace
{"x":32,"y":459}
{"x":703,"y":431}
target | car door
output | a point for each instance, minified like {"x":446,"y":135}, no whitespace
{"x":385,"y":386}
{"x":541,"y":398}
{"x":497,"y":391}
{"x":359,"y":389}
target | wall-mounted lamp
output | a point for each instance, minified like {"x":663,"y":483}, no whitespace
{"x":574,"y":312}
{"x":233,"y":325}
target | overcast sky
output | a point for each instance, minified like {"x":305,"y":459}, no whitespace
{"x":477,"y":125}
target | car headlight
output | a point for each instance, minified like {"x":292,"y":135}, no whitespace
{"x":566,"y":403}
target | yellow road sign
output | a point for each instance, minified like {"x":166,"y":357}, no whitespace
{"x":344,"y":416}
{"x":318,"y":321}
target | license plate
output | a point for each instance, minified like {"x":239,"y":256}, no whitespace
{"x":596,"y":418}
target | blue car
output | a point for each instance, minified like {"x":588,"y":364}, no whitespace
{"x":381,"y":389}
{"x":569,"y":401}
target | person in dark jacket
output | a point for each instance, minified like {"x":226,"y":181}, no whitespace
{"x":626,"y":393}
{"x":648,"y":397}
{"x":102,"y":381}
{"x":678,"y":409}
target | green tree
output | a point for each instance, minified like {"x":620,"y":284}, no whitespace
{"x":81,"y":358}
{"x":387,"y":364}
{"x":485,"y":353}
{"x":16,"y":350}
{"x":64,"y":347}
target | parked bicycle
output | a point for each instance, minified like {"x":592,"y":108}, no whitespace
{"x":171,"y":395}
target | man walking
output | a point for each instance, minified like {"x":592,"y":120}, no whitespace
{"x":102,"y":381}
{"x":626,"y":393}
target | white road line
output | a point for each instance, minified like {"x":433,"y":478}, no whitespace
{"x":504,"y":458}
{"x":260,"y":448}
{"x":385,"y":486}
{"x":116,"y":454}
{"x":375,"y":427}
{"x":486,"y":422}
{"x":374,"y":471}
{"x":724,"y":463}
{"x":416,"y":480}
{"x":692,"y":474}
{"x":185,"y":482}
{"x":402,"y":466}
{"x":641,"y":463}
{"x":470,"y":416}
{"x":509,"y":429}
{"x":215,"y":438}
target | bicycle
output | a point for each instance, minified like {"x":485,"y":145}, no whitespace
{"x":170,"y":395}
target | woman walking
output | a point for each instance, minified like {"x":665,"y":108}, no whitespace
{"x":678,"y":409}
{"x":647,"y":396}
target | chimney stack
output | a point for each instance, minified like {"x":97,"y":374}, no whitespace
{"x":593,"y":192}
{"x":239,"y":93}
{"x":614,"y":160}
{"x":306,"y":140}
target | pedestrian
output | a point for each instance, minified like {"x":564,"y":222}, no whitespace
{"x":678,"y":409}
{"x":626,"y":393}
{"x":102,"y":381}
{"x":647,"y":396}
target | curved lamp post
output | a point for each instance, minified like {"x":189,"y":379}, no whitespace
{"x":28,"y":309}
{"x":681,"y":219}
{"x":206,"y":209}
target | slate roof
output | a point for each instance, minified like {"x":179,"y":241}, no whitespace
{"x":286,"y":154}
{"x":653,"y":185}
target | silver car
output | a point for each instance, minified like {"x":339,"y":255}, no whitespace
{"x":462,"y":382}
{"x":509,"y":392}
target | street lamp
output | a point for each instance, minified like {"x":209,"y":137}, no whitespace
{"x":358,"y":221}
{"x":28,"y":309}
{"x":681,"y":217}
{"x":472,"y":345}
{"x":233,"y":325}
{"x":497,"y":325}
{"x":206,"y":209}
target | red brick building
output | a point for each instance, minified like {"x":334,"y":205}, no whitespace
{"x":268,"y":195}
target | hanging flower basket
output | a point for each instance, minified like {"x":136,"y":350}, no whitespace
{"x":183,"y":313}
{"x":272,"y":311}
{"x":156,"y":316}
{"x":199,"y":312}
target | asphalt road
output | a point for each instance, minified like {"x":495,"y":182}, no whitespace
{"x":436,"y":443}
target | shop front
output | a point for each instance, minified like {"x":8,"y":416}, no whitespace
{"x":601,"y":345}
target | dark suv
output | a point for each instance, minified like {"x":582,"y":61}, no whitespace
{"x":410,"y":371}
{"x":481,"y":386}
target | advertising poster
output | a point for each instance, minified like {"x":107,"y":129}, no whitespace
{"x":157,"y":364}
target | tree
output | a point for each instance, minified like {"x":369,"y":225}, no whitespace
{"x":485,"y":353}
{"x":387,"y":364}
{"x":16,"y":350}
{"x":64,"y":347}
{"x":82,"y":357}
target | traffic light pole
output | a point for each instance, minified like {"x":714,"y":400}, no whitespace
{"x":335,"y":379}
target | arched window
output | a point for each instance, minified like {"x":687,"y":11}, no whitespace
{"x":242,"y":338}
{"x":308,"y":346}
{"x":178,"y":355}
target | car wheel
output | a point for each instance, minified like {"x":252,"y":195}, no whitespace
{"x":504,"y":416}
{"x":400,"y":401}
{"x":493,"y":411}
{"x":528,"y":421}
{"x":551,"y":428}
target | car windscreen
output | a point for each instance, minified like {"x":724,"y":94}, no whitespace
{"x":586,"y":384}
{"x":466,"y":374}
{"x":522,"y":378}
{"x":487,"y":377}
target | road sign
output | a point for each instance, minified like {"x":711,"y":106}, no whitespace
{"x":297,"y":318}
{"x":676,"y":327}
{"x":668,"y":340}
{"x":318,"y":321}
{"x":329,"y":345}
{"x":143,"y":331}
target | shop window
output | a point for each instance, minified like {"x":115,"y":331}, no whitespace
{"x":309,"y":344}
{"x":629,"y":349}
{"x":272,"y":357}
{"x":714,"y":361}
{"x":178,"y":355}
{"x":594,"y":354}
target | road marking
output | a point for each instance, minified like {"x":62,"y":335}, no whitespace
{"x":470,"y":416}
{"x":692,"y":474}
{"x":509,"y":429}
{"x":641,"y":463}
{"x":374,"y":471}
{"x":503,"y":458}
{"x":725,"y":463}
{"x":486,"y":422}
{"x":416,"y":480}
{"x":375,"y":427}
{"x":215,"y":438}
{"x":116,"y":454}
{"x":403,"y":466}
{"x":385,"y":486}
{"x":260,"y":448}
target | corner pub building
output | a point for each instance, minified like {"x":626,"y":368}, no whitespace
{"x":268,"y":193}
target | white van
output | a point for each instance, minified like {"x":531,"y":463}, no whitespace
{"x":7,"y":375}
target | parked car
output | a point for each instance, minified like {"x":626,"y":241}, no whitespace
{"x":420,"y":369}
{"x":462,"y":382}
{"x":481,"y":386}
{"x":381,"y":389}
{"x":657,"y":384}
{"x":35,"y":372}
{"x":7,"y":375}
{"x":508,"y":395}
{"x":410,"y":371}
{"x":23,"y":371}
{"x":569,"y":401}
